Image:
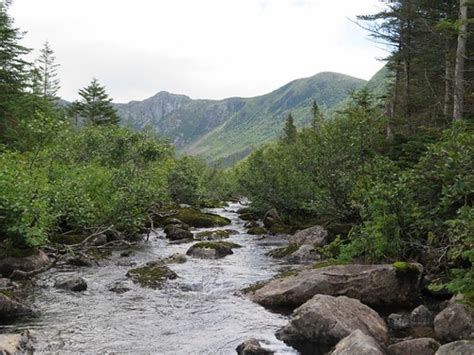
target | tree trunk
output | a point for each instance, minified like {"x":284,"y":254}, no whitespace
{"x":460,"y":62}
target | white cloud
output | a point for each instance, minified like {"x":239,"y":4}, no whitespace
{"x":205,"y":49}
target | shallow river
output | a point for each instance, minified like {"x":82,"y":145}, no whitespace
{"x":198,"y":313}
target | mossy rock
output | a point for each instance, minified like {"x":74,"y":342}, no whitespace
{"x":151,"y":275}
{"x":18,"y":252}
{"x":257,"y":231}
{"x":280,"y":229}
{"x":406,"y":269}
{"x":254,"y":287}
{"x":195,"y":218}
{"x":331,"y":262}
{"x":213,"y":204}
{"x":212,"y":235}
{"x":245,"y":210}
{"x":212,"y":250}
{"x":67,"y":239}
{"x":248,"y":217}
{"x":283,"y":252}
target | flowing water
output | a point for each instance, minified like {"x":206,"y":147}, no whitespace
{"x":198,"y":313}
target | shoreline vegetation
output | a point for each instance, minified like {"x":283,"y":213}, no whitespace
{"x":377,"y":201}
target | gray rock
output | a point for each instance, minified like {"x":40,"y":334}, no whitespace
{"x":421,"y":317}
{"x":306,"y":254}
{"x":358,"y":343}
{"x":72,"y":283}
{"x":98,"y":240}
{"x":327,"y":320}
{"x":315,"y":236}
{"x":271,"y":217}
{"x":80,"y":260}
{"x":29,"y":263}
{"x":16,"y":343}
{"x":376,"y":285}
{"x":211,"y":250}
{"x":175,"y":233}
{"x":398,"y":321}
{"x":12,"y":308}
{"x":252,"y":347}
{"x":461,"y":347}
{"x":7,"y":284}
{"x":119,"y":288}
{"x":420,"y":346}
{"x":454,"y":323}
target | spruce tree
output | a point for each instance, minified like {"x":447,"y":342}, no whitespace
{"x":318,"y":117}
{"x":289,"y":131}
{"x":45,"y":76}
{"x":13,"y":68}
{"x":95,"y":105}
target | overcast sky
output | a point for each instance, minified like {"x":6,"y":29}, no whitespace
{"x":200,"y":48}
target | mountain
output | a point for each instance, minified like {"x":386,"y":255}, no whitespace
{"x":223,"y":131}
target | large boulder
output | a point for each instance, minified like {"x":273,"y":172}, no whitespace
{"x":271,"y":217}
{"x":326,"y":320}
{"x":72,"y":283}
{"x":420,"y":346}
{"x":315,"y":236}
{"x":35,"y":261}
{"x":358,"y":343}
{"x":10,"y":307}
{"x":376,"y":285}
{"x":16,"y":343}
{"x":454,"y":323}
{"x":252,"y":347}
{"x":175,"y":233}
{"x":306,"y":254}
{"x":461,"y":347}
{"x":153,"y":274}
{"x":195,"y":218}
{"x":211,"y":250}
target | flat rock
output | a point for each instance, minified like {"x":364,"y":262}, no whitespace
{"x":327,"y":320}
{"x":461,"y":347}
{"x":376,"y":285}
{"x":152,"y":274}
{"x":420,"y":346}
{"x":454,"y":323}
{"x":358,"y":343}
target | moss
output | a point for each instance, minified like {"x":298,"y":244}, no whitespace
{"x":282,"y":252}
{"x":280,"y":229}
{"x":404,"y":268}
{"x":253,"y":287}
{"x":67,"y":239}
{"x":257,"y":231}
{"x":248,"y":217}
{"x":195,"y":218}
{"x":8,"y":293}
{"x":245,"y":210}
{"x":287,"y":273}
{"x":331,"y":262}
{"x":212,"y":235}
{"x":151,"y":275}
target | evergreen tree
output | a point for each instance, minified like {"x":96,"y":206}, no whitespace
{"x":13,"y":68}
{"x":289,"y":131}
{"x":318,"y":117}
{"x":45,"y":76}
{"x":95,"y":105}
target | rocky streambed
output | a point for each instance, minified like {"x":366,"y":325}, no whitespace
{"x":215,"y":290}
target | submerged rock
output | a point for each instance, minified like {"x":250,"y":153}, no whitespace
{"x":252,"y":347}
{"x":212,"y":250}
{"x":212,"y":235}
{"x":72,"y":283}
{"x":10,"y":307}
{"x":152,"y":275}
{"x":454,"y":323}
{"x":315,"y":236}
{"x":327,"y":320}
{"x":16,"y":343}
{"x":461,"y":347}
{"x":34,"y":261}
{"x":119,"y":288}
{"x":376,"y":285}
{"x":420,"y":346}
{"x":358,"y":343}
